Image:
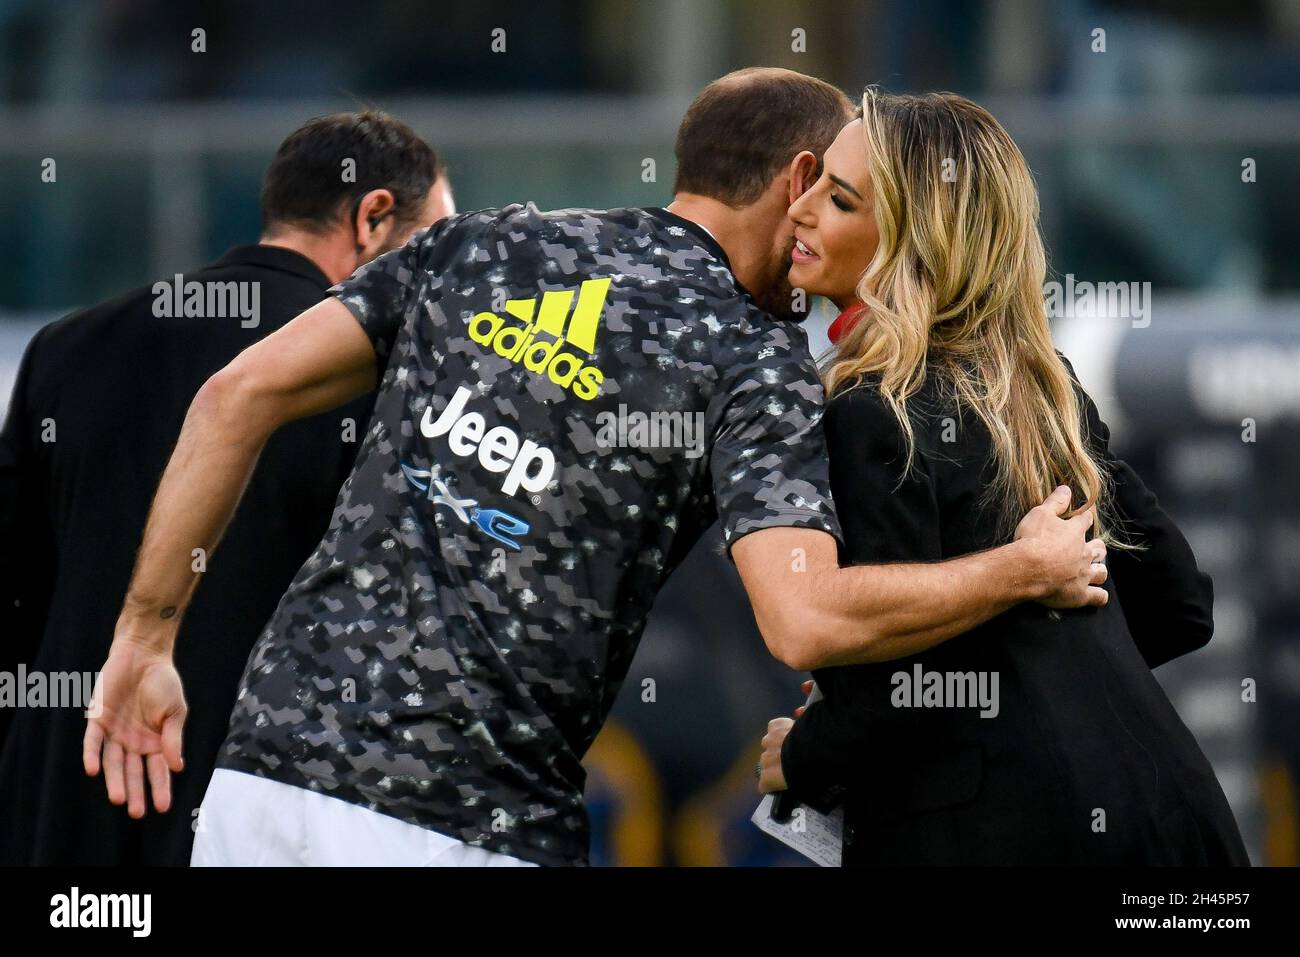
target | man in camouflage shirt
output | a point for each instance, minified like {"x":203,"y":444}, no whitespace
{"x":443,"y":661}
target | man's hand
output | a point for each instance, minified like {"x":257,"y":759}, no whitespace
{"x":136,"y":715}
{"x":771,"y":778}
{"x":1071,"y":568}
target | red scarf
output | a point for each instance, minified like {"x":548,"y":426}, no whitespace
{"x":845,"y":322}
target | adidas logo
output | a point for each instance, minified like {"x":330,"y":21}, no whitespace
{"x":545,"y":343}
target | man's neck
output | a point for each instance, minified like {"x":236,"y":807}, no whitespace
{"x":745,"y":240}
{"x":331,"y":253}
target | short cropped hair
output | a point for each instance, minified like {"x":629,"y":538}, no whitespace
{"x":747,"y":126}
{"x":305,"y":185}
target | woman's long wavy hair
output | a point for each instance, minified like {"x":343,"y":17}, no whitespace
{"x":955,"y":290}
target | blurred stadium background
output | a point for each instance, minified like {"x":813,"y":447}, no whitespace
{"x":1140,"y":153}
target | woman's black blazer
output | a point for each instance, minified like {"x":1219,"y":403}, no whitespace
{"x":1086,"y":760}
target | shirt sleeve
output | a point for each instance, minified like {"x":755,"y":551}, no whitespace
{"x":768,"y":457}
{"x":382,"y":293}
{"x":1168,"y":601}
{"x":829,"y":749}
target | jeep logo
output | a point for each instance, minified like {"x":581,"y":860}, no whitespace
{"x":526,"y":464}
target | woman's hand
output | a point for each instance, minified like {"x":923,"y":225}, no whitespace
{"x":806,"y":688}
{"x":771,"y":777}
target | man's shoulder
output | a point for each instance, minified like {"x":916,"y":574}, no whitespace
{"x":135,"y":313}
{"x":88,"y":323}
{"x":655,"y":261}
{"x":746,"y":329}
{"x":520,"y":231}
{"x":576,"y":223}
{"x":642,"y":228}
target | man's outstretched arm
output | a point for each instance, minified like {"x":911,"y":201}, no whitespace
{"x":317,"y":362}
{"x":813,"y":614}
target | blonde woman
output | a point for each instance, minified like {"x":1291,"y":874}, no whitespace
{"x":1041,"y":737}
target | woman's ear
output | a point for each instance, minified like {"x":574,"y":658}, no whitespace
{"x":803,"y":173}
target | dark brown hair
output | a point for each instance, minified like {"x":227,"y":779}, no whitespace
{"x":747,"y":126}
{"x":304,"y":185}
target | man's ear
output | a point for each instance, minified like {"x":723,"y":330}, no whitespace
{"x":373,"y":209}
{"x":803,"y":173}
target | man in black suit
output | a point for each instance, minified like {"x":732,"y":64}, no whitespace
{"x":98,"y":402}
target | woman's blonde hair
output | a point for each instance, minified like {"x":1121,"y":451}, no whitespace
{"x":955,"y":290}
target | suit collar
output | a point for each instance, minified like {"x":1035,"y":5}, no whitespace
{"x":274,"y":257}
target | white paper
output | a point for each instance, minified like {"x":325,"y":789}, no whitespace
{"x":818,"y":837}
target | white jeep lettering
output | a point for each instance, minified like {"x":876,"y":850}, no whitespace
{"x":466,"y":434}
{"x":499,"y":448}
{"x":528,"y":465}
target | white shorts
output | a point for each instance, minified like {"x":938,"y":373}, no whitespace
{"x":250,"y":821}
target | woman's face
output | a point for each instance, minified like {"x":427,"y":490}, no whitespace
{"x":835,"y":223}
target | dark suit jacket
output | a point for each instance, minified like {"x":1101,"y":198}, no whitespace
{"x":115,"y":383}
{"x":1086,"y":761}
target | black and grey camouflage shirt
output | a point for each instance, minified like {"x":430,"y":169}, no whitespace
{"x":568,"y":400}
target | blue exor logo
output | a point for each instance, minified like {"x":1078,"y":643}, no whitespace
{"x":492,"y":522}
